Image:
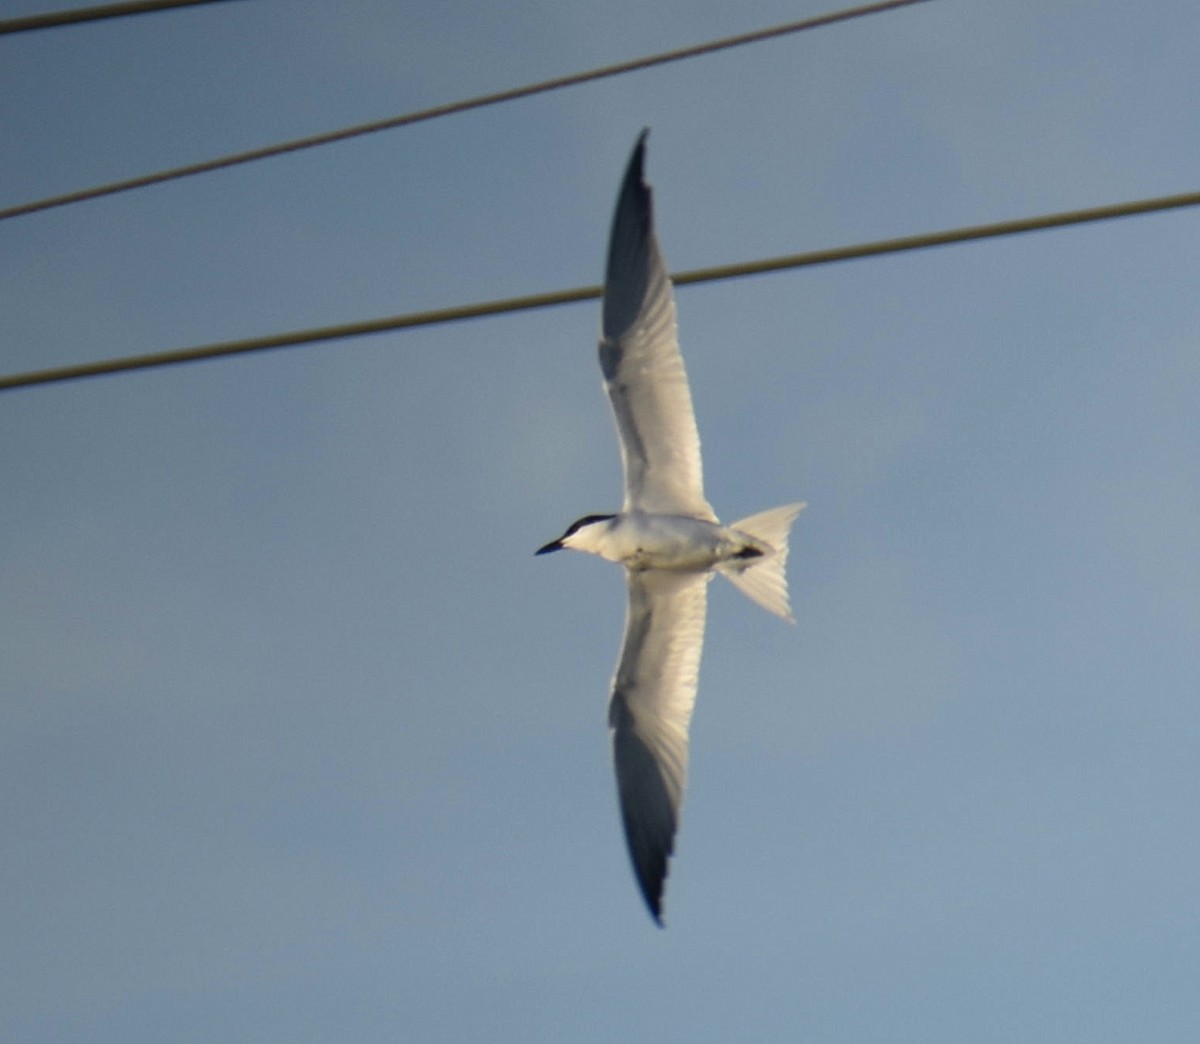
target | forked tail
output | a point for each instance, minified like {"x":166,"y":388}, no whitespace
{"x":763,"y":579}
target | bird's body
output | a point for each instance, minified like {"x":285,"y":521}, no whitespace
{"x":666,"y":535}
{"x":680,"y":543}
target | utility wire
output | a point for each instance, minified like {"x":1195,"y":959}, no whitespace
{"x":517,"y":304}
{"x":93,"y":14}
{"x":451,"y":108}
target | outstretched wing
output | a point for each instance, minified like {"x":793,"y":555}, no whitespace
{"x":643,"y":370}
{"x":653,"y":694}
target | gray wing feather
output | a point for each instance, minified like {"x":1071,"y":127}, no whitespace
{"x":653,"y":694}
{"x":643,"y":370}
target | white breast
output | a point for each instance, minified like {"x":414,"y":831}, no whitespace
{"x":675,"y":542}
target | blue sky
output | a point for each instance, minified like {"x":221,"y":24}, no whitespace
{"x":297,"y":739}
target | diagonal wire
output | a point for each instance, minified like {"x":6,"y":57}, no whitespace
{"x":478,"y":102}
{"x":516,"y":304}
{"x":93,"y":14}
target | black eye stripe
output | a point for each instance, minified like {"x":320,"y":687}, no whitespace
{"x":587,"y":520}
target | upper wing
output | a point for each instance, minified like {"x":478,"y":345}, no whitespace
{"x":643,"y":370}
{"x":653,"y":695}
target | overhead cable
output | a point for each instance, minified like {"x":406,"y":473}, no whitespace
{"x":53,"y":19}
{"x":516,"y":304}
{"x":451,"y":108}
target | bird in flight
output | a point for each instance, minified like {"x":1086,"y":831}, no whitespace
{"x":665,"y":535}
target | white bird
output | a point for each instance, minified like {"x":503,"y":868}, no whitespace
{"x":666,"y":535}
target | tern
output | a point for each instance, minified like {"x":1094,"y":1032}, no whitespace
{"x":666,"y":536}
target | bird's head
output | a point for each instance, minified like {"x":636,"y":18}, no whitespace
{"x":582,"y":535}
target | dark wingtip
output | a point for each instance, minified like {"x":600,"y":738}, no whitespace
{"x":633,"y":185}
{"x":636,"y":170}
{"x":652,"y":882}
{"x":654,"y":901}
{"x":651,"y":878}
{"x":639,"y":147}
{"x":631,"y":247}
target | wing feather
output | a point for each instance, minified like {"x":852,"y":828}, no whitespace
{"x":643,"y":369}
{"x":654,"y":692}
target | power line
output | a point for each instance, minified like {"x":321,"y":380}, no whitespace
{"x":93,"y":14}
{"x":265,"y":152}
{"x":516,"y":304}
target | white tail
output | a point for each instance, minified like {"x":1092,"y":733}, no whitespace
{"x":764,"y":580}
